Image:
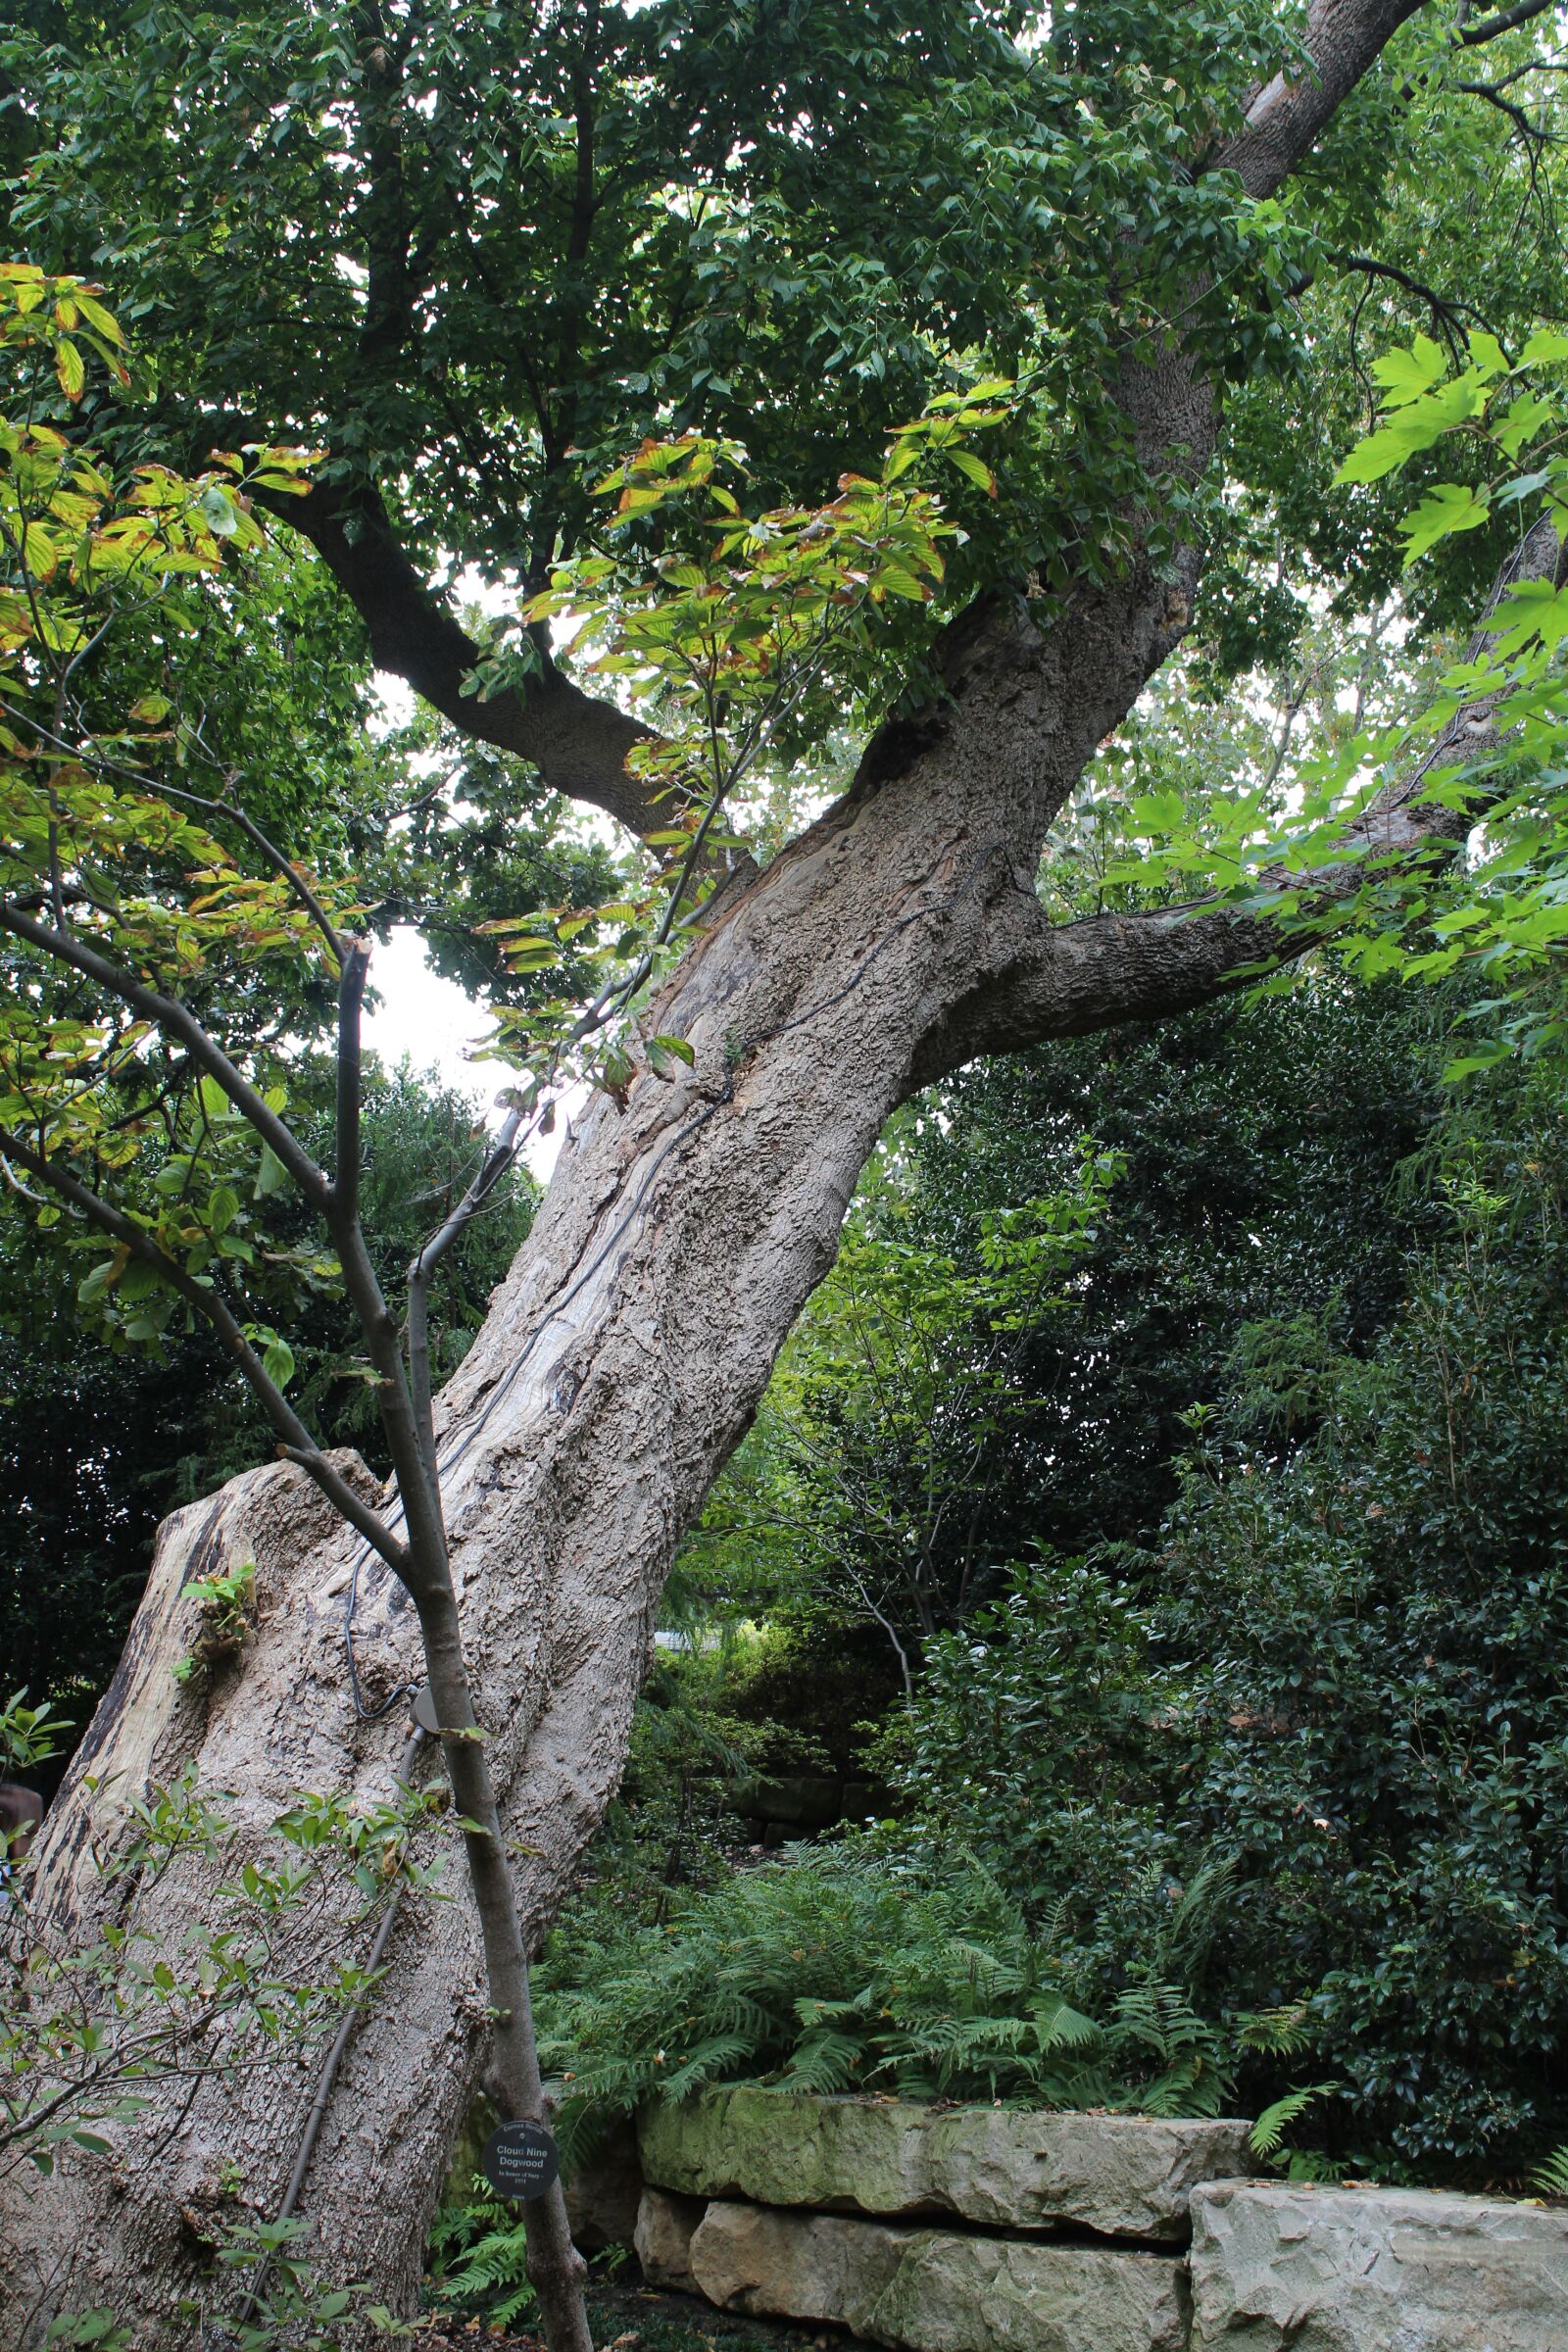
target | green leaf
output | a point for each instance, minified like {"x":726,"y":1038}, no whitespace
{"x":277,"y":1361}
{"x":1445,"y":511}
{"x":899,"y":582}
{"x":1269,"y":2131}
{"x":93,"y":1285}
{"x":1467,"y":1065}
{"x":1380,"y":454}
{"x":1521,"y":422}
{"x":270,"y":1176}
{"x":1486,"y":352}
{"x":974,"y":468}
{"x":1405,"y":374}
{"x":223,"y":1209}
{"x":665,"y":1054}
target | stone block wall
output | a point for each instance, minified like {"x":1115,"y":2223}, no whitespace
{"x":1281,"y":2268}
{"x":998,"y":2230}
{"x":934,"y":2229}
{"x":1004,"y":2168}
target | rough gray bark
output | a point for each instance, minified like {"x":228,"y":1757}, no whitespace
{"x":619,"y":1366}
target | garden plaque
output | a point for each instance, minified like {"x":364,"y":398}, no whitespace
{"x":521,"y":2161}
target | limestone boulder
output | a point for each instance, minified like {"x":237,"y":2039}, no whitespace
{"x":1004,"y":2168}
{"x":1375,"y":2271}
{"x":800,"y":2265}
{"x":666,"y":2227}
{"x":933,"y":2290}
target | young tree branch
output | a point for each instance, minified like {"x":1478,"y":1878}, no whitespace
{"x":350,"y":1003}
{"x":176,"y":1021}
{"x":298,"y":1445}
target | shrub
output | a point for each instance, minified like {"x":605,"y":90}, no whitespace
{"x":1348,"y":1667}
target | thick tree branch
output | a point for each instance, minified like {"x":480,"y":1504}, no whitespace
{"x":579,"y":745}
{"x":1491,"y":29}
{"x":1068,"y":980}
{"x":1343,"y":40}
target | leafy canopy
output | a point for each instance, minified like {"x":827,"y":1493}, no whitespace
{"x":458,"y":249}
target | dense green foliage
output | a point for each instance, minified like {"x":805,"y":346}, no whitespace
{"x":96,"y":1447}
{"x":1270,"y":1626}
{"x":465,"y":258}
{"x":1341,"y":1668}
{"x":479,"y":266}
{"x":1018,"y":1325}
{"x":842,"y":1969}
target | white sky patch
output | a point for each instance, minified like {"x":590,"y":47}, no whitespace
{"x":419,"y":1015}
{"x":428,"y":1021}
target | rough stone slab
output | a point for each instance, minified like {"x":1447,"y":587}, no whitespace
{"x":1123,"y":2175}
{"x":665,"y":2227}
{"x":1381,"y":2270}
{"x":800,"y":2265}
{"x":932,"y":2291}
{"x":604,"y":2197}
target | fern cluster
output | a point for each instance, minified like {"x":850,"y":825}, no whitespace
{"x":476,"y":2256}
{"x":847,"y":1970}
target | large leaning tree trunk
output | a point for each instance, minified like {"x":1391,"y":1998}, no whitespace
{"x":623,"y":1356}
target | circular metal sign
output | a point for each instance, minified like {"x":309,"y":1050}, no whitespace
{"x":424,"y":1714}
{"x":521,"y":2161}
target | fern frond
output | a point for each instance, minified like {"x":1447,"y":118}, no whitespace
{"x":1280,"y":2033}
{"x":824,"y":2063}
{"x":1267,"y":2135}
{"x":1059,"y":2027}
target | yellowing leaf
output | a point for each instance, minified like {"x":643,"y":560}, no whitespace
{"x":93,"y":310}
{"x":70,"y":368}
